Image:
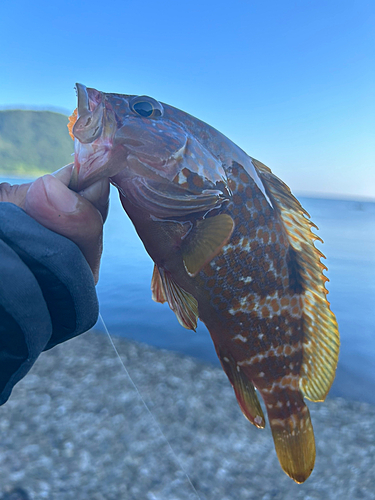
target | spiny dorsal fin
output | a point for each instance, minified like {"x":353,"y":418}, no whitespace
{"x":205,"y":241}
{"x":321,"y":336}
{"x":182,"y":303}
{"x":245,"y":392}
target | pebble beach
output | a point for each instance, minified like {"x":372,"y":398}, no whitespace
{"x":76,"y":428}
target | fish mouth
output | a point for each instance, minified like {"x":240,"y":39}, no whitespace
{"x":93,"y":132}
{"x":89,"y":125}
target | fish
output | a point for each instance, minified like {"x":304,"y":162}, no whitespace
{"x":231,"y":246}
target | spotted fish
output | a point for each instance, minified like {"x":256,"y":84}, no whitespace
{"x":231,"y":246}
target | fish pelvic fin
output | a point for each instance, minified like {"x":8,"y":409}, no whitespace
{"x":182,"y":303}
{"x":157,"y":287}
{"x":321,"y":336}
{"x":292,"y":433}
{"x":244,"y":391}
{"x":205,"y":241}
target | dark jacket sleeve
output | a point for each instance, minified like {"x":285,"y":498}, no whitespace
{"x":47,"y":293}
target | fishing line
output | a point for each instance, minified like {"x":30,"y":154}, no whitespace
{"x":148,"y":409}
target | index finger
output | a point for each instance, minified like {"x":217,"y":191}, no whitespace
{"x":97,"y":193}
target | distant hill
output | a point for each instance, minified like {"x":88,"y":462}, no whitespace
{"x":33,"y":142}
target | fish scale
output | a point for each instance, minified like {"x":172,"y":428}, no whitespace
{"x":266,"y":295}
{"x":231,"y":246}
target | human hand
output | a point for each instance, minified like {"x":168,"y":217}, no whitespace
{"x":77,"y":216}
{"x":49,"y":258}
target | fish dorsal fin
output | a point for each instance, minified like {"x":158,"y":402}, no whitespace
{"x":245,"y":392}
{"x":205,"y":241}
{"x":321,"y":337}
{"x":182,"y":303}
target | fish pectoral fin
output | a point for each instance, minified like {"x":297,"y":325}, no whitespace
{"x":244,"y":391}
{"x":182,"y":303}
{"x":157,"y":287}
{"x":205,"y":241}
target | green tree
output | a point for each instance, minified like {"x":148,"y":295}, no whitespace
{"x":33,"y":142}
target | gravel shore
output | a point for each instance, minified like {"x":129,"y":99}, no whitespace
{"x":76,"y":428}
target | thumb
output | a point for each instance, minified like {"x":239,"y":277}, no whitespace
{"x":50,"y":202}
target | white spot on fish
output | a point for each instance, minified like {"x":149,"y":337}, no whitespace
{"x":243,"y":301}
{"x":286,"y":382}
{"x":181,"y":178}
{"x":248,"y":279}
{"x":240,"y":337}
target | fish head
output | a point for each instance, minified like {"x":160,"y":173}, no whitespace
{"x":137,"y":141}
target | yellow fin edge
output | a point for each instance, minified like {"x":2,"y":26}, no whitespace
{"x":322,"y":342}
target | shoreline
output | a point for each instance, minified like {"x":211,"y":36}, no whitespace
{"x":315,"y":195}
{"x":75,"y":427}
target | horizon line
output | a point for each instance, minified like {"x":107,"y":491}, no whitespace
{"x":28,"y":107}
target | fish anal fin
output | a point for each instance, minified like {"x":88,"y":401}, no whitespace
{"x":205,"y":241}
{"x":321,"y":342}
{"x":292,"y":433}
{"x":182,"y":303}
{"x":157,"y":287}
{"x":244,"y":391}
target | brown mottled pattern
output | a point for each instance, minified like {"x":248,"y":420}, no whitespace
{"x":254,"y":285}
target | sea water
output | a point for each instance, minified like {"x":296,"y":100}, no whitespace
{"x":348,"y":230}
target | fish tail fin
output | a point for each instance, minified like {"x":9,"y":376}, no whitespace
{"x":292,"y":433}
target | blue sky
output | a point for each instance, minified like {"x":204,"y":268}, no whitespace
{"x":291,"y":82}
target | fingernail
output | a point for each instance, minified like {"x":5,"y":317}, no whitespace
{"x":59,"y":196}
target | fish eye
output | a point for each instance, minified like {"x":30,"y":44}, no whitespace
{"x":146,"y":107}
